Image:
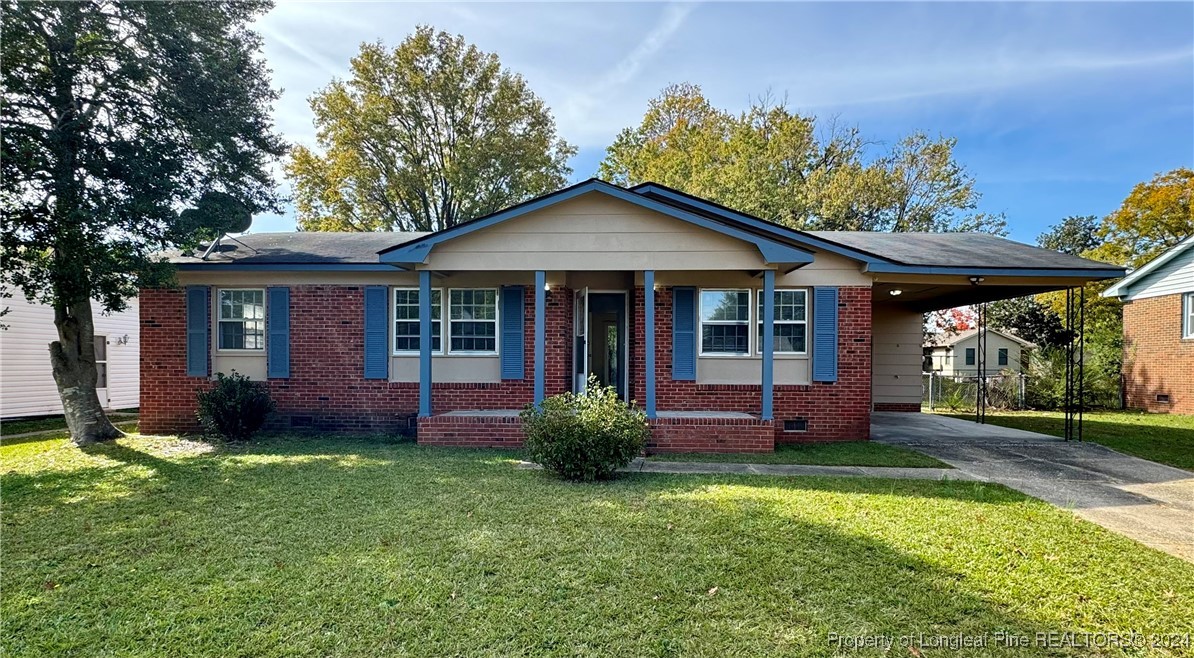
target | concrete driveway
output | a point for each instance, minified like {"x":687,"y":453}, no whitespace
{"x":1149,"y":502}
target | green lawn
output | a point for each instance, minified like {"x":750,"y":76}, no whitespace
{"x":10,"y":427}
{"x":344,"y":547}
{"x":1165,"y":438}
{"x":846,"y":453}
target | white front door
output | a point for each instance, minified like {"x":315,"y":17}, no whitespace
{"x":581,"y":344}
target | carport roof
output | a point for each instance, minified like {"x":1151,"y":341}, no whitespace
{"x":961,"y":250}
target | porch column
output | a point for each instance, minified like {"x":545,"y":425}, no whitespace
{"x":649,"y":341}
{"x":425,"y":342}
{"x":540,"y":333}
{"x":768,"y":347}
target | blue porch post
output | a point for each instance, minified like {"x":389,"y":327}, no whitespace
{"x":425,"y":343}
{"x":649,"y":330}
{"x":768,"y":347}
{"x":540,"y":333}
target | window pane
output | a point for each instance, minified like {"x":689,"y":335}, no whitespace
{"x":725,"y":305}
{"x":474,"y":336}
{"x":473,"y":305}
{"x":1003,"y":356}
{"x":789,"y":306}
{"x":406,"y":320}
{"x":788,"y":337}
{"x":724,"y":338}
{"x":101,"y":375}
{"x":101,"y":348}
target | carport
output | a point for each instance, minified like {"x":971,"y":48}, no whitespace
{"x":915,"y":273}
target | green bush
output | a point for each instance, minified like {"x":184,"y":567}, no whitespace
{"x":235,"y":407}
{"x":584,"y":437}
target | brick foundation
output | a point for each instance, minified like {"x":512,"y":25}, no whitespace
{"x":1157,"y":361}
{"x":711,"y":435}
{"x":471,"y":431}
{"x":904,"y":407}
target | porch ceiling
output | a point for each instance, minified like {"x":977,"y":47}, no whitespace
{"x":925,"y":296}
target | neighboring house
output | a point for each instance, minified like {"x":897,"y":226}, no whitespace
{"x":1159,"y":331}
{"x":957,"y":354}
{"x":27,"y":385}
{"x":731,"y":332}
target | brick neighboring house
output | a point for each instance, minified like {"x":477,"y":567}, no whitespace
{"x":1159,"y":331}
{"x":731,"y":332}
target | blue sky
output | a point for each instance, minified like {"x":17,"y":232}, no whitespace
{"x":1058,"y":108}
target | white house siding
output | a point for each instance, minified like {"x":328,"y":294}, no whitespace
{"x":1174,"y":277}
{"x":896,"y":359}
{"x":955,"y":365}
{"x":26,"y":382}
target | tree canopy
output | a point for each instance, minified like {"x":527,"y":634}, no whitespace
{"x":783,"y":166}
{"x":115,"y":116}
{"x":1155,"y":216}
{"x":422,"y":137}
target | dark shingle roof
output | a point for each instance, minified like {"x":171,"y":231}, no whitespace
{"x":303,"y":248}
{"x":956,"y":250}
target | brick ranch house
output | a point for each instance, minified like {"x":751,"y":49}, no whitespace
{"x":731,"y":332}
{"x":1159,"y":331}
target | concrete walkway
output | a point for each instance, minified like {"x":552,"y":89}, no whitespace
{"x":641,"y":465}
{"x":1149,"y":502}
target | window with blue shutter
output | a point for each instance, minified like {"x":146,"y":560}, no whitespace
{"x":198,"y":344}
{"x":512,"y":342}
{"x":684,"y":323}
{"x":377,"y":358}
{"x":825,"y":334}
{"x":277,"y":318}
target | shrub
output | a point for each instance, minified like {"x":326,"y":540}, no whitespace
{"x":584,"y":437}
{"x":235,"y":407}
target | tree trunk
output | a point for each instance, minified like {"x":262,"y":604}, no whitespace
{"x":73,"y":359}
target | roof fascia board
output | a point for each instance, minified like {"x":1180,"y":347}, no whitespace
{"x":417,"y":252}
{"x":1122,"y":287}
{"x":791,"y":234}
{"x":286,"y":267}
{"x":1092,"y":273}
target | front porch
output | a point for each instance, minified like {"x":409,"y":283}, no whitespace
{"x":671,"y":431}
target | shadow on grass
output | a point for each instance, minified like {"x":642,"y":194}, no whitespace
{"x":445,"y":552}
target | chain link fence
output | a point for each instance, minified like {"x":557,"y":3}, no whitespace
{"x":960,"y":393}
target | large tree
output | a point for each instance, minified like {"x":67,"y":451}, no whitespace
{"x":115,"y":117}
{"x":1155,"y":216}
{"x":422,"y":137}
{"x":780,"y":165}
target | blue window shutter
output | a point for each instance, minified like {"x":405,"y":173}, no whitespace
{"x":684,"y":345}
{"x":824,"y":334}
{"x":377,"y":361}
{"x":198,"y":344}
{"x":512,"y":340}
{"x":277,"y":318}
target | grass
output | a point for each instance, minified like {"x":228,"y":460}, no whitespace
{"x":846,"y":453}
{"x":357,"y":547}
{"x":48,"y":423}
{"x":1165,"y":438}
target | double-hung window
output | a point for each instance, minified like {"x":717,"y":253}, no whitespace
{"x":241,"y":323}
{"x":725,"y":322}
{"x":472,"y":321}
{"x":1002,"y":356}
{"x":791,"y":322}
{"x":406,"y":321}
{"x":1188,"y":317}
{"x":969,"y":356}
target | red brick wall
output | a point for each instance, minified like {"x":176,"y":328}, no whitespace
{"x":326,"y":388}
{"x":1157,"y":361}
{"x":711,"y":435}
{"x":838,"y":411}
{"x":471,"y":431}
